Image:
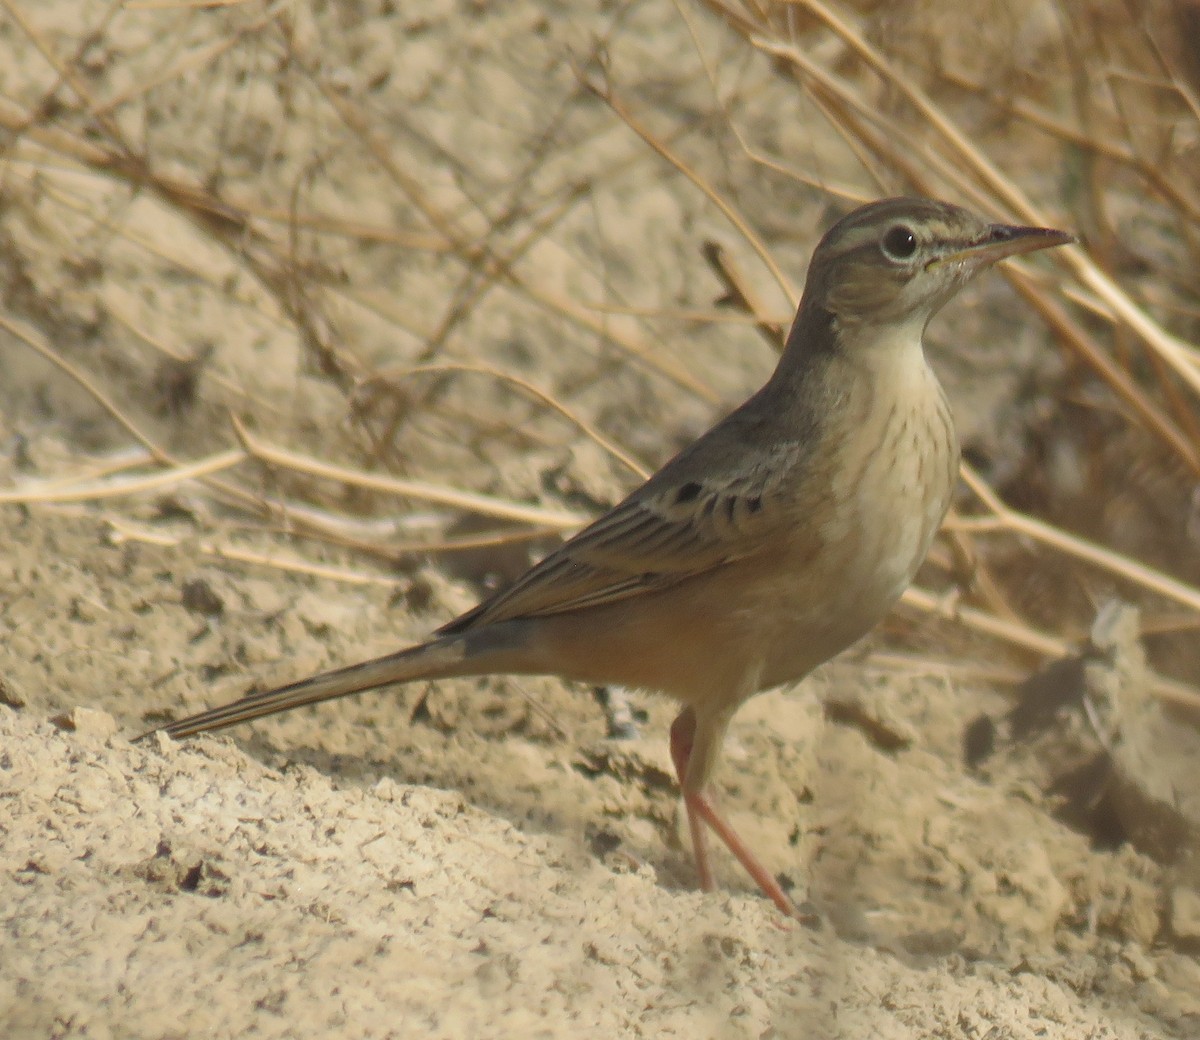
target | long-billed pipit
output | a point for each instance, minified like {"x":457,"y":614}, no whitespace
{"x":767,"y":546}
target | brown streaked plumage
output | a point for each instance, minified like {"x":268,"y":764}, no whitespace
{"x":771,"y":543}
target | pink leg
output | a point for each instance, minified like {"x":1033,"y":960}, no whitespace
{"x":683,"y":729}
{"x":701,"y":812}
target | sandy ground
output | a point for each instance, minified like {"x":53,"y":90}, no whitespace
{"x":474,"y":859}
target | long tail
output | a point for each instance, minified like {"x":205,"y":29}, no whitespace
{"x":438,"y":659}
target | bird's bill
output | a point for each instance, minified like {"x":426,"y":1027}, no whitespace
{"x":1003,"y":240}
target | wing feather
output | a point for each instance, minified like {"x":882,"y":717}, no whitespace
{"x":648,"y":542}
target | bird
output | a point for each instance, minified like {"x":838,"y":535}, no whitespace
{"x":767,"y":546}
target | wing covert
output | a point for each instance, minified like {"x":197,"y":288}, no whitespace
{"x":665,"y":532}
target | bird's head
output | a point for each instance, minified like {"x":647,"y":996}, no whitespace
{"x":895,"y":263}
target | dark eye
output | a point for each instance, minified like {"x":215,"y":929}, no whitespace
{"x":899,"y":243}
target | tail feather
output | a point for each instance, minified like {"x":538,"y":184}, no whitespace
{"x":436,"y":659}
